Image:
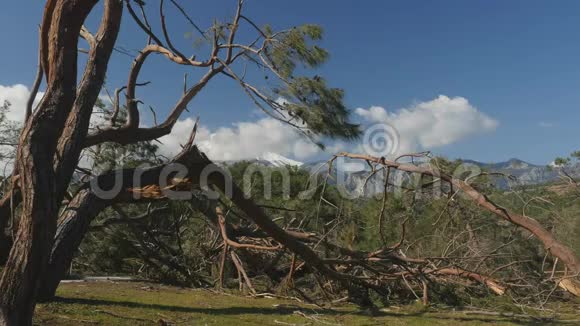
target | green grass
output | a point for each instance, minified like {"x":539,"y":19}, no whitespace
{"x":108,"y":303}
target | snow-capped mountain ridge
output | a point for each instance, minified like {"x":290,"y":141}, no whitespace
{"x":277,"y":160}
{"x":525,"y":173}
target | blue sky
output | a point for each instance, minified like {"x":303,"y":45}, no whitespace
{"x":516,"y":62}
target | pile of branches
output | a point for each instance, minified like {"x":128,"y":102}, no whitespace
{"x":247,"y":239}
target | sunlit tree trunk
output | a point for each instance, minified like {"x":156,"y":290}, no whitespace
{"x":59,"y":125}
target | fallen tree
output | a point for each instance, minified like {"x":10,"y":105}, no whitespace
{"x":551,"y":244}
{"x":383,"y":266}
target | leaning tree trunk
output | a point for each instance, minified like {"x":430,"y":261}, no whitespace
{"x":72,"y":227}
{"x":29,"y":255}
{"x":7,"y":204}
{"x":68,"y":239}
{"x":75,"y":221}
{"x":43,"y":184}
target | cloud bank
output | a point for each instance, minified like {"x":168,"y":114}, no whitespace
{"x":17,"y":95}
{"x":422,"y":126}
{"x":432,"y":124}
{"x":243,"y":140}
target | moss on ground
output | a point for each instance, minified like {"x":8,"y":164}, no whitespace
{"x":124,"y":303}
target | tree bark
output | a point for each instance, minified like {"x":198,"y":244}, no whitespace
{"x":72,"y":227}
{"x":42,"y":191}
{"x":7,"y":203}
{"x":75,"y":221}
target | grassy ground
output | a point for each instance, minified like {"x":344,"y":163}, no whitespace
{"x":124,"y":303}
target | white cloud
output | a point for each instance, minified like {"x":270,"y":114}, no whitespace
{"x":17,"y":95}
{"x":244,"y":140}
{"x":432,"y":124}
{"x":422,"y":126}
{"x":304,"y":149}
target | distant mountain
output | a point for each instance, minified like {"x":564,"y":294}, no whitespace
{"x":270,"y":160}
{"x":511,"y":164}
{"x":354,"y":176}
{"x":277,"y":160}
{"x":525,"y":173}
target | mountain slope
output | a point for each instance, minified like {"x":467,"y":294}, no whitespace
{"x":277,"y":160}
{"x":521,"y":173}
{"x":524,"y":173}
{"x":352,"y":176}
